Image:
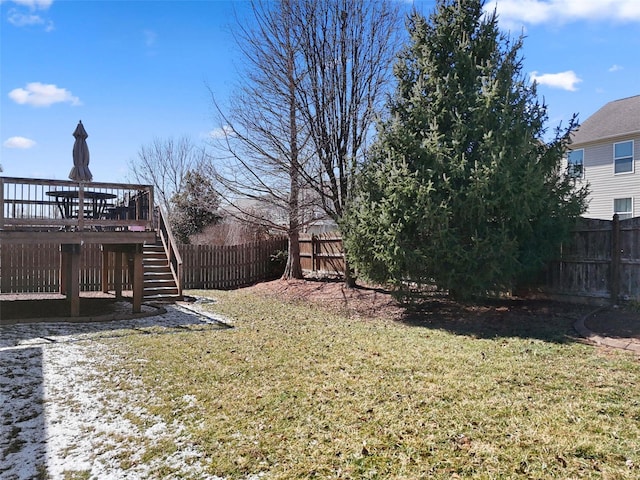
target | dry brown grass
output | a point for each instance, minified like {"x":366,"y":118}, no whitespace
{"x":325,"y":389}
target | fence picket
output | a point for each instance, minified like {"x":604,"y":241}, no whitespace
{"x":584,"y":267}
{"x":36,"y":268}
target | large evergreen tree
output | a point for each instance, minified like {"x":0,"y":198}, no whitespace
{"x":461,"y":189}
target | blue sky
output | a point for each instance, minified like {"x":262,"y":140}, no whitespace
{"x":136,"y":70}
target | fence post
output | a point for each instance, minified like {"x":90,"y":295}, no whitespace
{"x":615,"y":259}
{"x":314,"y":240}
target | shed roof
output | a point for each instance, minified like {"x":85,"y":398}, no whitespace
{"x":616,"y":118}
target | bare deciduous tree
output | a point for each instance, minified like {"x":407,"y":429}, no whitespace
{"x":316,"y":73}
{"x":261,"y":129}
{"x":164,"y":164}
{"x":348,"y":47}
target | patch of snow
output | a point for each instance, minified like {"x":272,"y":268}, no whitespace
{"x":56,"y":417}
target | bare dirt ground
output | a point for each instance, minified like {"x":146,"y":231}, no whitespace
{"x":362,"y":301}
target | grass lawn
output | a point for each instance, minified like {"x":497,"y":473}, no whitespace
{"x":299,"y":391}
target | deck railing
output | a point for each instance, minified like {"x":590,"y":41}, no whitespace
{"x":39,"y":204}
{"x":171,"y":249}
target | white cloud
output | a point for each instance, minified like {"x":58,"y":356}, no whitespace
{"x":519,"y":12}
{"x":19,"y":142}
{"x":19,"y":17}
{"x":34,"y":4}
{"x":616,"y":68}
{"x":222,"y":132}
{"x":39,"y":94}
{"x":564,"y":80}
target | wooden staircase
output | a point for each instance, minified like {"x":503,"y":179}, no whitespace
{"x":159,"y":282}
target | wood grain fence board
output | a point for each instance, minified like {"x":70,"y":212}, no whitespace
{"x":229,"y":266}
{"x":321,"y":253}
{"x":29,"y":268}
{"x":598,"y":262}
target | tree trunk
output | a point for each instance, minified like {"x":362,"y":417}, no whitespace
{"x":293,"y":268}
{"x":349,"y":274}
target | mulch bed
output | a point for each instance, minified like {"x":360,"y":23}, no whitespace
{"x":616,"y":323}
{"x":493,"y":318}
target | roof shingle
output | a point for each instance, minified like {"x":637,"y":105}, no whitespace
{"x":619,"y":117}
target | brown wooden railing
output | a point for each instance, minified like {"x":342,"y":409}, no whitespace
{"x":171,"y":249}
{"x":39,"y":204}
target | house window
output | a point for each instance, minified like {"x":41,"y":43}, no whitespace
{"x":623,"y":207}
{"x":575,"y":163}
{"x":623,"y":157}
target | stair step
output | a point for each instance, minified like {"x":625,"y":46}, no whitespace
{"x":157,"y":269}
{"x":159,"y":284}
{"x":158,"y":275}
{"x":155,"y":273}
{"x":160,"y":291}
{"x":155,"y":261}
{"x":154,"y":255}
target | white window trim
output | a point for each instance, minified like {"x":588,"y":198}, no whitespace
{"x":569,"y":164}
{"x":633,"y":163}
{"x":624,"y":213}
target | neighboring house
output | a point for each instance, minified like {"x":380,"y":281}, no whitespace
{"x":605,"y":153}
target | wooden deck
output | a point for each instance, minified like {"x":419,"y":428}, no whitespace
{"x":119,"y":217}
{"x":77,"y":237}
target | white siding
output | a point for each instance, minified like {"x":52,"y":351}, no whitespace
{"x":604,"y":185}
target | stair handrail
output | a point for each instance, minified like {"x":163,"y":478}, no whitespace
{"x":171,"y":248}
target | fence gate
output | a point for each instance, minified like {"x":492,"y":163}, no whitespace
{"x":322,"y":253}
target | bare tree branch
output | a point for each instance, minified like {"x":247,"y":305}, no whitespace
{"x":300,"y":120}
{"x":164,"y":164}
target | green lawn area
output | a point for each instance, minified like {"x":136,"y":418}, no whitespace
{"x":297,"y":391}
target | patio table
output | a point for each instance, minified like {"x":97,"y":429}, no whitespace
{"x":67,"y":200}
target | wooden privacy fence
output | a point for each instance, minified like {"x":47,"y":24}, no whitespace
{"x":602,"y":260}
{"x":322,"y":253}
{"x":209,"y":266}
{"x":36,"y":267}
{"x":29,"y":268}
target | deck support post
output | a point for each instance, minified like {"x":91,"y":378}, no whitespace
{"x":104,"y":271}
{"x":138,"y":279}
{"x":132,"y":253}
{"x":119,"y":273}
{"x":70,"y":276}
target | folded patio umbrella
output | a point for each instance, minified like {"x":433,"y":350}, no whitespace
{"x":80,"y":171}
